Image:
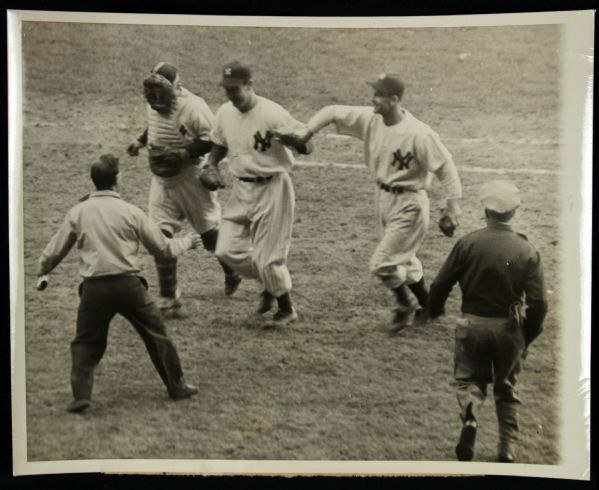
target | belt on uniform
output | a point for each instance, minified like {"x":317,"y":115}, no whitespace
{"x":255,"y":179}
{"x":391,"y":189}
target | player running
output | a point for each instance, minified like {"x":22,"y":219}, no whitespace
{"x":255,"y":235}
{"x":177,"y":136}
{"x":400,"y":152}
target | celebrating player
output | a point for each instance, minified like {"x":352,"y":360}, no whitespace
{"x":256,"y":231}
{"x":500,"y":273}
{"x":108,"y":232}
{"x":400,"y":152}
{"x":177,"y":136}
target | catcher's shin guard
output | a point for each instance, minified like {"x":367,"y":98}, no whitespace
{"x":166,"y":268}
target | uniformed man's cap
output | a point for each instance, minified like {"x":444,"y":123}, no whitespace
{"x":500,"y":196}
{"x":235,"y":74}
{"x":106,"y":166}
{"x":167,"y":70}
{"x":388,"y":85}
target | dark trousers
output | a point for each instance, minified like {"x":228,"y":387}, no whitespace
{"x":488,"y":350}
{"x":101,"y":299}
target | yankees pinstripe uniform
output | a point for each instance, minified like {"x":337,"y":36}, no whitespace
{"x":255,"y":235}
{"x":179,"y":122}
{"x":400,"y":152}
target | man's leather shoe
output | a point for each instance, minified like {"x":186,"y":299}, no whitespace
{"x":465,"y":448}
{"x":79,"y":406}
{"x":185,"y":391}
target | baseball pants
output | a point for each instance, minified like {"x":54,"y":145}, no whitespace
{"x":255,"y":234}
{"x":402,"y":221}
{"x":101,"y":299}
{"x":182,"y":197}
{"x":171,"y":201}
{"x":488,"y":350}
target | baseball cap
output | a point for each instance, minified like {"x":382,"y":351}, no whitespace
{"x":388,"y":85}
{"x":500,"y":196}
{"x":235,"y":74}
{"x":105,"y":167}
{"x":167,"y":70}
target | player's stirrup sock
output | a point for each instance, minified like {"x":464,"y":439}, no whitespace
{"x":420,"y":291}
{"x":209,"y":240}
{"x":401,"y":293}
{"x":166,"y":267}
{"x":284,"y":302}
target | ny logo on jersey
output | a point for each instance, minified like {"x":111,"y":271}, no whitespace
{"x":262,"y":143}
{"x":402,"y":161}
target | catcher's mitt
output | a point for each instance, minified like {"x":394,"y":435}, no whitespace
{"x":211,"y":178}
{"x":447,"y":226}
{"x":165,"y":162}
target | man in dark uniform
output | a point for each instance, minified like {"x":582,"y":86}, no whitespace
{"x":108,"y":232}
{"x":503,"y":308}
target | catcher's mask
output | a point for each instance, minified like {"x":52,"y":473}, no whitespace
{"x":160,"y":93}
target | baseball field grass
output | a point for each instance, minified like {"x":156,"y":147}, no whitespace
{"x":333,"y":386}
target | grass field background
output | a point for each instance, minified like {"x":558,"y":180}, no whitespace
{"x":334,"y":386}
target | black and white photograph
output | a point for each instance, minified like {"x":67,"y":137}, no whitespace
{"x":300,"y":246}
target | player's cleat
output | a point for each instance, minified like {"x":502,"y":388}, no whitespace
{"x":505,"y":453}
{"x":281,"y":319}
{"x":403,"y":317}
{"x":266,"y":303}
{"x":185,"y":391}
{"x":174,"y":311}
{"x":79,"y":406}
{"x":465,"y":448}
{"x":232,"y":283}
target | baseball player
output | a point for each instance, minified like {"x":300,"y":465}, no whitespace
{"x":400,"y":152}
{"x":108,"y":232}
{"x":256,"y":230}
{"x":177,"y":136}
{"x":503,"y":308}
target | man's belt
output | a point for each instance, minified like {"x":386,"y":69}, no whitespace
{"x":391,"y":189}
{"x":255,"y":179}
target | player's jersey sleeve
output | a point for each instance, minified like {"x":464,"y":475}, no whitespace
{"x":348,"y":120}
{"x":431,"y":151}
{"x":197,"y":118}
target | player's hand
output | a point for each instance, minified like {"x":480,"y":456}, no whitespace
{"x":133,"y":148}
{"x":42,"y":282}
{"x":211,"y":178}
{"x":450,"y":217}
{"x":196,"y":240}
